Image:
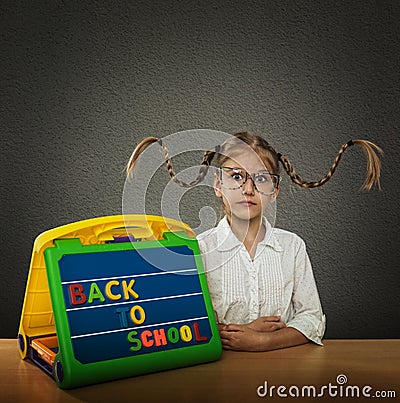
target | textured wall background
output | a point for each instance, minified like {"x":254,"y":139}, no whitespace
{"x":82,"y":84}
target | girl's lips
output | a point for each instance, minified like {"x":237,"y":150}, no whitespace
{"x":247,"y":203}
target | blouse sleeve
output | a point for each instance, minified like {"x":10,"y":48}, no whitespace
{"x":308,"y":316}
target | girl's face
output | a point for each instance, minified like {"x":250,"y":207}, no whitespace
{"x":244,"y":203}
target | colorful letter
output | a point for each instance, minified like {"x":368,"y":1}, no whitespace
{"x":76,"y":295}
{"x":146,"y":334}
{"x":110,"y":295}
{"x":137,"y":343}
{"x":142,"y":315}
{"x":173,"y":335}
{"x":95,"y":293}
{"x":127,"y":289}
{"x":186,"y":333}
{"x":159,"y":337}
{"x":197,"y":335}
{"x":123,"y":317}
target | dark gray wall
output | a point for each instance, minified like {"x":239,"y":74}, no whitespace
{"x":81,"y":85}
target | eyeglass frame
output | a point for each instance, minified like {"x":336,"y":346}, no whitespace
{"x":251,"y":176}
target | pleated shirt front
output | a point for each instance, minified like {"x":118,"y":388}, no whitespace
{"x":278,"y":281}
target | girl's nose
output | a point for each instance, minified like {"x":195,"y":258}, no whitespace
{"x":248,"y":186}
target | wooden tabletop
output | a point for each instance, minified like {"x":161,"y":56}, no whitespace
{"x":236,"y":377}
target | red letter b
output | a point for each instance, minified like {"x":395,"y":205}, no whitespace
{"x":76,"y":294}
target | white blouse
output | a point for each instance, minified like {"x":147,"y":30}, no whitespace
{"x":278,"y":281}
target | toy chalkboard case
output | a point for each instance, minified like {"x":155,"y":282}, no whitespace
{"x":114,"y":297}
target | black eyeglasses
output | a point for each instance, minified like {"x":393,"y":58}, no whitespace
{"x":234,"y":178}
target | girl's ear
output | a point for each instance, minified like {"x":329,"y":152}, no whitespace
{"x":217,"y":186}
{"x":275,"y":195}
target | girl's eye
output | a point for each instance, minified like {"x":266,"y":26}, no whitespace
{"x":262,"y":178}
{"x":237,"y":176}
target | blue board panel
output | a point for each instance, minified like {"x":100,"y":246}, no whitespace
{"x":142,"y":261}
{"x":135,"y":302}
{"x":107,"y":346}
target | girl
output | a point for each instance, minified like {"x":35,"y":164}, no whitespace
{"x":260,"y":278}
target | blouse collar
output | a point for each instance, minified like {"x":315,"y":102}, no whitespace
{"x":227,"y":240}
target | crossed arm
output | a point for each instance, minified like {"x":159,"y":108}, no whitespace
{"x":263,"y":334}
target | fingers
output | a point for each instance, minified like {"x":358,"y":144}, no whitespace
{"x":267,"y":324}
{"x":222,"y":327}
{"x":274,"y":322}
{"x":270,"y":318}
{"x":228,"y":335}
{"x":234,"y":328}
{"x":243,"y":340}
{"x":263,"y":324}
{"x":225,"y":340}
{"x":277,"y":326}
{"x":229,"y":340}
{"x":230,"y":328}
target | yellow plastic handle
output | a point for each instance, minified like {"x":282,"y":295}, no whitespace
{"x":101,"y":229}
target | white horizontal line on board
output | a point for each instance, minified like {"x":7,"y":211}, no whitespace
{"x":134,"y":301}
{"x":130,"y":276}
{"x":138,"y":327}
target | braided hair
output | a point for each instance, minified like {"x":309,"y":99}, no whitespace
{"x":205,"y":163}
{"x":373,"y":166}
{"x":269,"y":156}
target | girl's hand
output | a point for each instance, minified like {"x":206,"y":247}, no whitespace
{"x":241,"y":337}
{"x":263,"y":324}
{"x":266,"y":324}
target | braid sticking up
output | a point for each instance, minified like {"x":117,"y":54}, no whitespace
{"x":373,"y":166}
{"x":270,"y":157}
{"x":205,"y":163}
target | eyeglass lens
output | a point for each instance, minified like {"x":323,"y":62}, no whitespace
{"x":263,"y":181}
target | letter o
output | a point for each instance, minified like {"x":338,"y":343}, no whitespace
{"x":138,"y":315}
{"x":186,"y":333}
{"x":173,"y":335}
